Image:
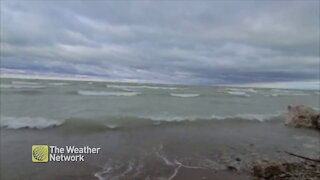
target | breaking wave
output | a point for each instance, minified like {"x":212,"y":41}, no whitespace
{"x":142,"y":87}
{"x":21,"y":86}
{"x":184,"y":95}
{"x":244,"y":116}
{"x":283,"y":92}
{"x":24,"y":83}
{"x":28,"y":122}
{"x":59,"y":84}
{"x":287,"y":94}
{"x":125,"y":122}
{"x":250,"y":90}
{"x":106,"y":93}
{"x":238,"y":93}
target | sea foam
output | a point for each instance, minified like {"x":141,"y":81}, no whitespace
{"x":250,"y":90}
{"x":119,"y":122}
{"x":58,"y":84}
{"x":24,"y":82}
{"x":106,"y":93}
{"x":184,"y":95}
{"x":28,"y":122}
{"x":141,"y":87}
{"x":21,"y":86}
{"x":238,"y":93}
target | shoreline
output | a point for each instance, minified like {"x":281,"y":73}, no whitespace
{"x":224,"y":150}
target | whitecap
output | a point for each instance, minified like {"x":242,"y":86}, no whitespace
{"x":18,"y":86}
{"x":280,"y":90}
{"x":58,"y":84}
{"x":112,"y":126}
{"x":141,"y":87}
{"x":158,"y":119}
{"x":248,"y":116}
{"x":250,"y":90}
{"x":24,"y":83}
{"x":252,"y":116}
{"x":28,"y":122}
{"x":106,"y":93}
{"x":238,"y":93}
{"x":298,"y":94}
{"x":184,"y":95}
{"x":287,"y":94}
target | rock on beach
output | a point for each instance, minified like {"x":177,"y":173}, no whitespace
{"x":302,"y":116}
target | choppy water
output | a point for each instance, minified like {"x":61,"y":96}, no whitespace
{"x":143,"y":127}
{"x":40,"y":104}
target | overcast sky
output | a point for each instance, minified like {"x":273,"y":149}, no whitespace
{"x":198,"y":42}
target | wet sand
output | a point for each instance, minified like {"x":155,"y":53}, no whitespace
{"x":205,"y":174}
{"x":222,"y":150}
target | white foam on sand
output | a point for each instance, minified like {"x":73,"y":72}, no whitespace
{"x":106,"y":93}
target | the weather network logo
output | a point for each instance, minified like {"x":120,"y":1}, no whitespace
{"x":46,"y":153}
{"x":40,"y":153}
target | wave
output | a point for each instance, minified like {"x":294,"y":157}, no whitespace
{"x":250,"y":90}
{"x":281,"y":90}
{"x":58,"y":84}
{"x":298,"y":94}
{"x":316,"y":108}
{"x":142,"y":87}
{"x":184,"y":95}
{"x":18,"y":86}
{"x":287,"y":94}
{"x":125,"y":122}
{"x":106,"y":93}
{"x":244,"y":116}
{"x":28,"y":122}
{"x":252,"y":116}
{"x":238,"y":93}
{"x":24,"y":83}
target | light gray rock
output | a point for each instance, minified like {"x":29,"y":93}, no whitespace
{"x":302,"y":116}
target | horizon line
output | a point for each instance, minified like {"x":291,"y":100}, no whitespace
{"x":86,"y":78}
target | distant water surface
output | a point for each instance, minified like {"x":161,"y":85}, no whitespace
{"x":140,"y":126}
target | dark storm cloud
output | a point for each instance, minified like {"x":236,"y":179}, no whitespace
{"x":168,"y":41}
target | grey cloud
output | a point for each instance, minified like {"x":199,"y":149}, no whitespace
{"x":169,"y":41}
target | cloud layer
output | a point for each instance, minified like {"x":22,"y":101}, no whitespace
{"x":169,"y":41}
